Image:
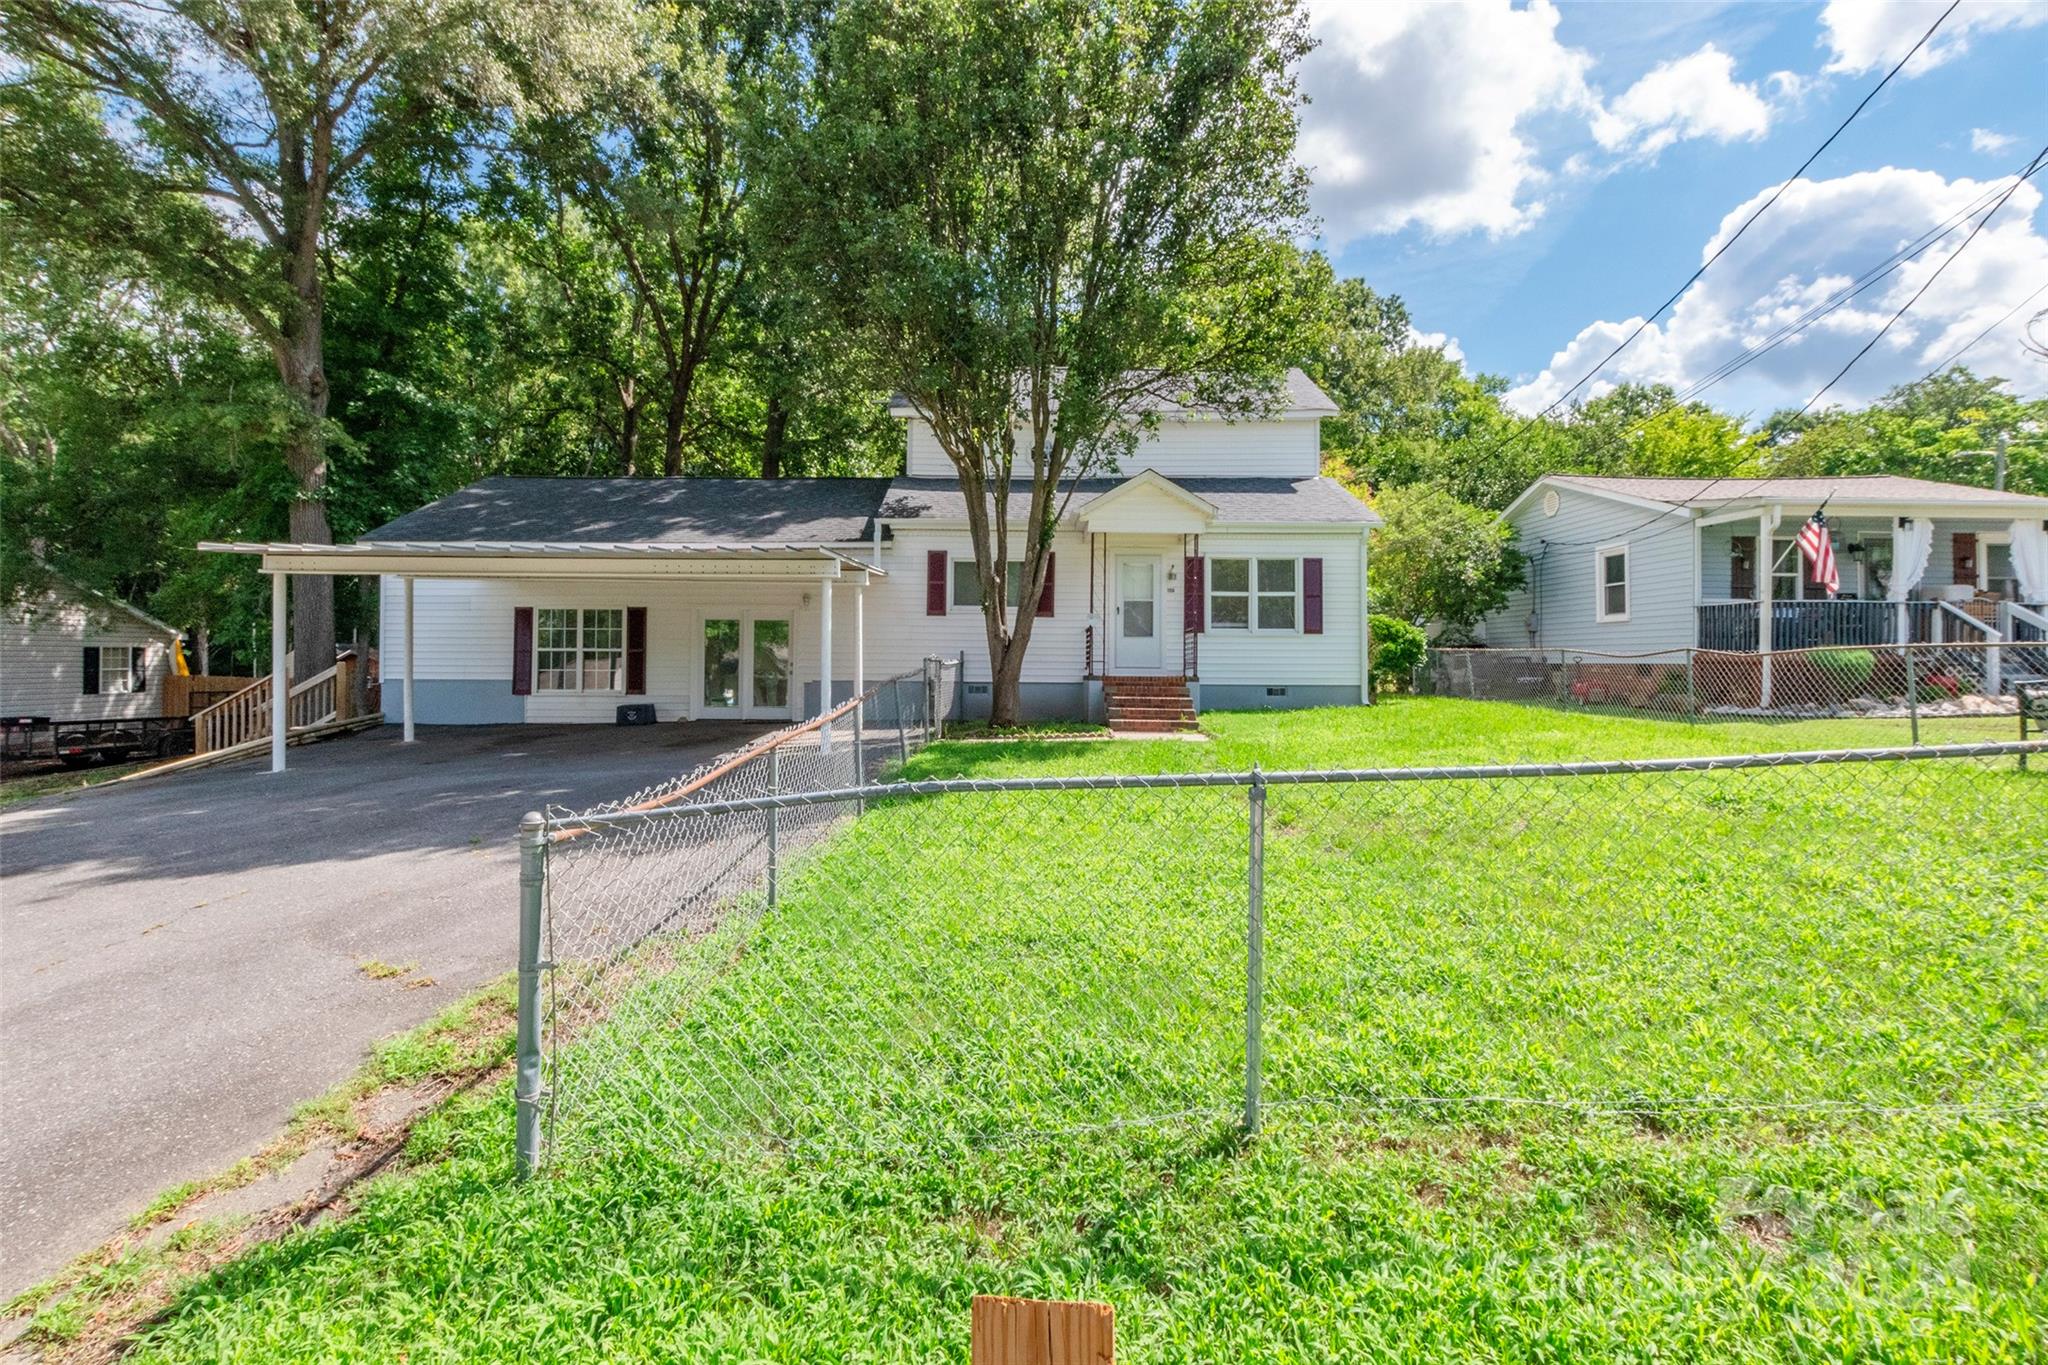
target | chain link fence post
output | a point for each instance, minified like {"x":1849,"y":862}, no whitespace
{"x":902,"y":724}
{"x":1692,"y":692}
{"x":526,"y":1087}
{"x":774,"y":825}
{"x":1255,"y":951}
{"x":1912,"y":695}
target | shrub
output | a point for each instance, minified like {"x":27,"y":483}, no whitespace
{"x":1397,"y":651}
{"x":1846,"y":672}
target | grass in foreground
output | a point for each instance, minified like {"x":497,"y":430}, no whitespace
{"x":16,"y":789}
{"x":823,"y":1150}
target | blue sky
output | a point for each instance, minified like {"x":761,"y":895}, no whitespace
{"x":1533,"y":179}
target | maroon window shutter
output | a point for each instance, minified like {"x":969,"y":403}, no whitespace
{"x":636,"y":650}
{"x":522,"y":651}
{"x":1045,"y":596}
{"x":934,"y":582}
{"x":1192,"y":613}
{"x":1963,"y":559}
{"x":1742,"y":567}
{"x":1312,"y":596}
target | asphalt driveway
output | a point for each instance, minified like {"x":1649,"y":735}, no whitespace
{"x":181,"y":958}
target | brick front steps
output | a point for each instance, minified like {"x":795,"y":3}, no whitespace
{"x":1148,"y":704}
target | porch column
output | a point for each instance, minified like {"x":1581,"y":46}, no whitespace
{"x":1767,"y":561}
{"x":408,"y":658}
{"x":280,"y":685}
{"x":860,"y":637}
{"x":825,"y":662}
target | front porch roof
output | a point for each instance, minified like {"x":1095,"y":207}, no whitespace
{"x":527,"y":559}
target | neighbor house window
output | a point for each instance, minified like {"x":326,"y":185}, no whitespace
{"x":579,"y":649}
{"x":1254,"y":594}
{"x":1610,"y":583}
{"x":967,"y":584}
{"x":121,"y":669}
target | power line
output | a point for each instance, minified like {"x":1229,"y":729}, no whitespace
{"x":1737,"y":236}
{"x":1977,"y":340}
{"x":2032,"y":168}
{"x":1946,"y":262}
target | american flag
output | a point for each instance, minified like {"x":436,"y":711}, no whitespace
{"x":1819,"y":553}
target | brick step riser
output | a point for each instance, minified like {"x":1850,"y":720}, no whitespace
{"x":1152,"y":713}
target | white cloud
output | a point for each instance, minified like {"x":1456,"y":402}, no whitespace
{"x":1695,"y":96}
{"x":1865,"y":35}
{"x":1984,"y":140}
{"x":1812,"y":243}
{"x":1438,"y":341}
{"x":1437,"y":115}
{"x":1418,"y":114}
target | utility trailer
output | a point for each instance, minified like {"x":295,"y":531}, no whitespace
{"x":80,"y":743}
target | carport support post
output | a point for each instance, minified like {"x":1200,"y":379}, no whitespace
{"x":526,"y":1082}
{"x":1255,"y":951}
{"x":825,"y":664}
{"x":280,"y":685}
{"x":408,"y":659}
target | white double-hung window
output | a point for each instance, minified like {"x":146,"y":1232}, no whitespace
{"x":1610,"y":582}
{"x":579,"y":649}
{"x":1254,"y":594}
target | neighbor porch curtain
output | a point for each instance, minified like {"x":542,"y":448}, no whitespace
{"x":1912,"y":545}
{"x":2030,"y":559}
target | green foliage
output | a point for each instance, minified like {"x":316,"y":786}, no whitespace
{"x":1439,"y":560}
{"x":1942,"y":427}
{"x":1846,"y":672}
{"x":1398,"y":649}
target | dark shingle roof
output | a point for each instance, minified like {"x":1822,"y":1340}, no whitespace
{"x":1312,"y":500}
{"x":647,"y":511}
{"x":787,"y":511}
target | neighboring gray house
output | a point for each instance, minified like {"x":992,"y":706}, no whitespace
{"x":1640,"y":565}
{"x":74,"y":654}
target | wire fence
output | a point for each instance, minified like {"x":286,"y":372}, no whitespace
{"x":1834,"y":937}
{"x":1902,"y":684}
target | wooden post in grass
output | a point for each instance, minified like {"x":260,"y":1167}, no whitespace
{"x":1041,"y":1332}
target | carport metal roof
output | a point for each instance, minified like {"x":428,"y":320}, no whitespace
{"x":523,"y":559}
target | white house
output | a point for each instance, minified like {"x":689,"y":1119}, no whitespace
{"x":1219,"y":557}
{"x":72,"y":654}
{"x":1640,"y":565}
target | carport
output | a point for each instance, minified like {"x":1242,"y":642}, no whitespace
{"x":713,"y":567}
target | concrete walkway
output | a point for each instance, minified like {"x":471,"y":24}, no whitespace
{"x":181,"y":958}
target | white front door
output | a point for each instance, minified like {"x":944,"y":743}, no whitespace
{"x":746,"y":670}
{"x":1137,"y":614}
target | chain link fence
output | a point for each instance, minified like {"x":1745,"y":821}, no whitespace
{"x":1904,"y":684}
{"x":751,"y":969}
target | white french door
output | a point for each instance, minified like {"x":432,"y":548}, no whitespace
{"x":1137,"y":614}
{"x":745,"y":667}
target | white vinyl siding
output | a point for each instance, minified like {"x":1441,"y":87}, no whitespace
{"x":1195,"y":448}
{"x":42,"y":662}
{"x":1559,"y":585}
{"x":1276,"y":659}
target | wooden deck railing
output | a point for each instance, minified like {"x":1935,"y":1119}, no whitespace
{"x":245,"y":716}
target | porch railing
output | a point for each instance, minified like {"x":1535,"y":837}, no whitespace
{"x":1814,"y":625}
{"x":245,"y":716}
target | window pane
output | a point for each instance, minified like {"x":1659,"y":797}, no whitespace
{"x":1617,"y":599}
{"x":604,"y":671}
{"x":1229,"y":611}
{"x":721,"y":663}
{"x":555,"y":628}
{"x":1616,"y":568}
{"x":556,"y":671}
{"x":115,"y":675}
{"x":1013,"y":583}
{"x":1276,"y":575}
{"x":1276,"y":613}
{"x":966,"y":584}
{"x":604,"y":629}
{"x":771,"y":663}
{"x":1230,"y":575}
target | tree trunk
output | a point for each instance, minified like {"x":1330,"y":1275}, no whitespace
{"x":629,"y":428}
{"x":776,"y":432}
{"x":204,"y":649}
{"x":672,"y":430}
{"x":1005,"y":691}
{"x":305,"y":455}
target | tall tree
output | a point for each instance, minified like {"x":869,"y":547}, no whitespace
{"x":212,"y":139}
{"x":1043,"y":218}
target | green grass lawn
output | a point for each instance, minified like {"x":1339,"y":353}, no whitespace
{"x":1557,"y":1071}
